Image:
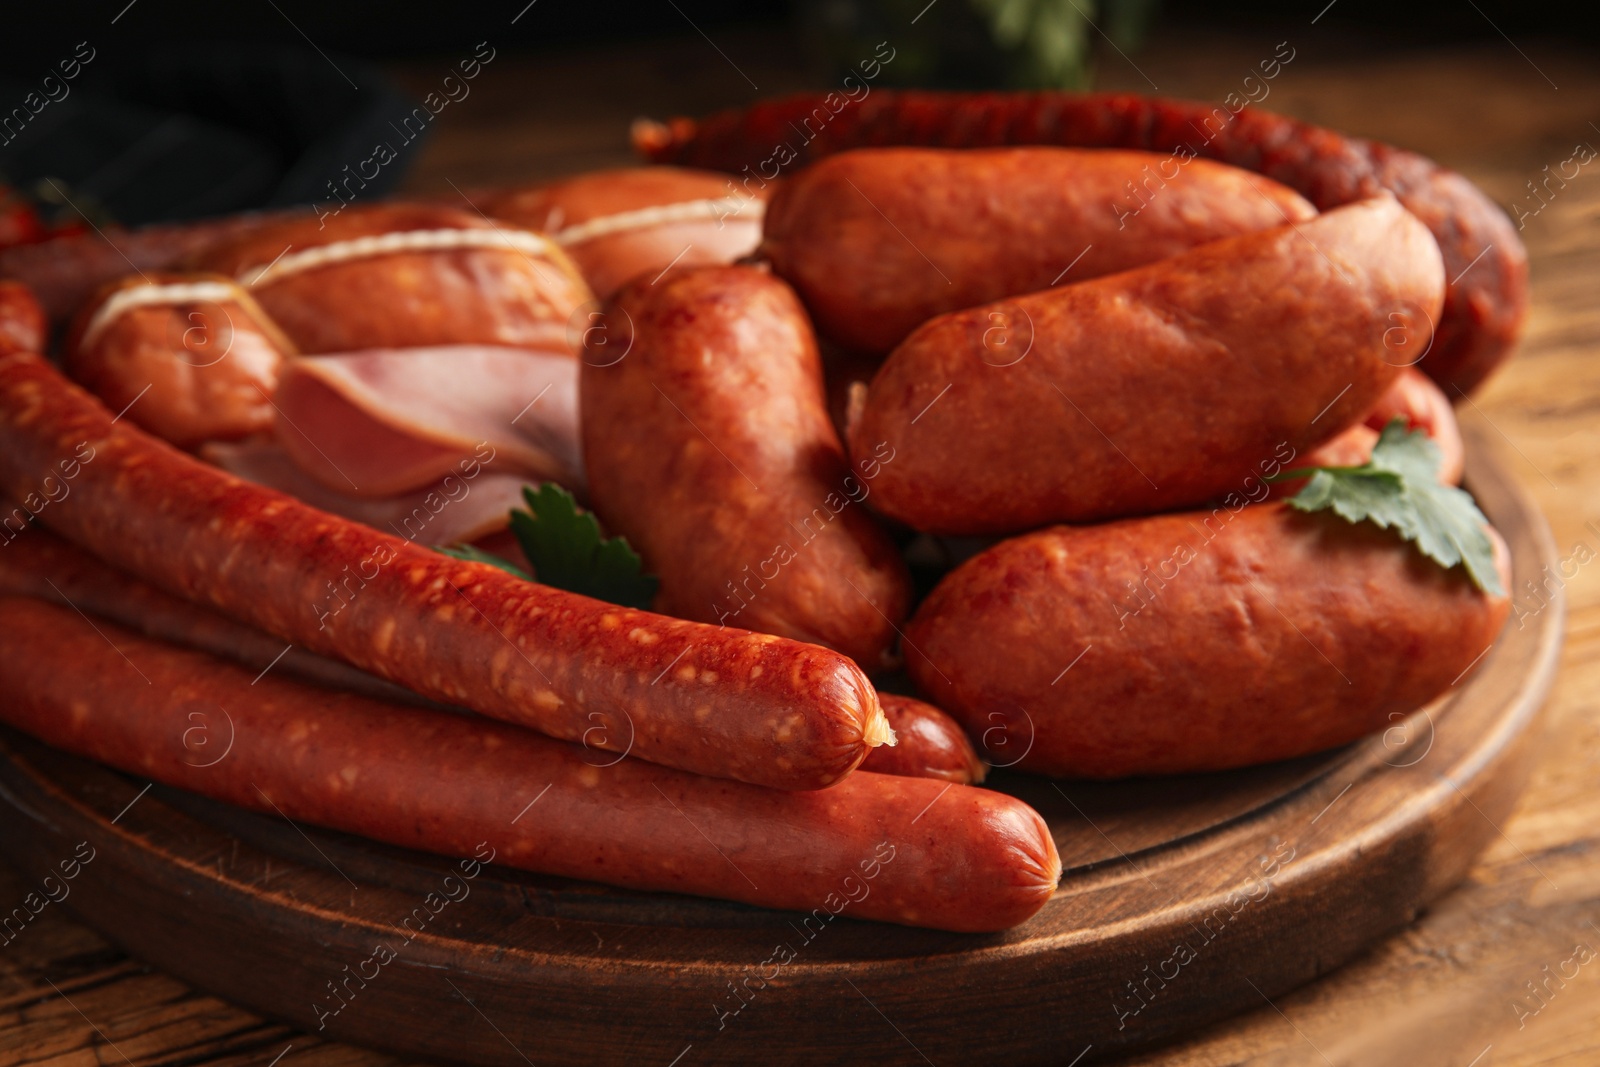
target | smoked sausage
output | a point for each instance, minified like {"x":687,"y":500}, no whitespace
{"x":404,"y":275}
{"x":722,"y":702}
{"x":904,"y":850}
{"x":1197,"y":641}
{"x":708,"y":444}
{"x":618,"y":224}
{"x":189,"y":357}
{"x":36,"y":563}
{"x":1485,"y":303}
{"x":1414,"y":398}
{"x":879,"y":240}
{"x":928,"y":744}
{"x":22,"y":324}
{"x":1157,"y":388}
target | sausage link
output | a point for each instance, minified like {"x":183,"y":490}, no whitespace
{"x":929,"y":744}
{"x":1197,"y":641}
{"x":190,"y":357}
{"x":36,"y":563}
{"x":1157,"y":388}
{"x":722,"y":702}
{"x":932,"y":854}
{"x":495,"y":292}
{"x":708,"y":444}
{"x":22,"y":324}
{"x":1484,"y":306}
{"x":879,"y":240}
{"x":618,"y":224}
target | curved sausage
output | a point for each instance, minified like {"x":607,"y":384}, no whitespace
{"x":403,"y":275}
{"x":879,"y":240}
{"x":22,"y":324}
{"x":1485,"y":303}
{"x":1414,"y":398}
{"x":1157,"y":388}
{"x":929,"y":744}
{"x":189,"y":357}
{"x":1196,"y":642}
{"x":722,"y":702}
{"x":618,"y":224}
{"x":65,"y":271}
{"x":928,"y":853}
{"x":708,"y":444}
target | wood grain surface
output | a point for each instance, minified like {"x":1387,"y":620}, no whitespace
{"x":1491,"y":974}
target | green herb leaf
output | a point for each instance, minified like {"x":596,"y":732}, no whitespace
{"x":1399,"y":489}
{"x":564,"y":544}
{"x":567,"y":551}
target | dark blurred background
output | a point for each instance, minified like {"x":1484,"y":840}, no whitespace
{"x":128,"y":113}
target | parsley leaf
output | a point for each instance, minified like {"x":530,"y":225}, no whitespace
{"x":567,"y":551}
{"x":1399,"y":489}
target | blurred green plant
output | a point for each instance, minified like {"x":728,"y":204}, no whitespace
{"x":1016,"y":44}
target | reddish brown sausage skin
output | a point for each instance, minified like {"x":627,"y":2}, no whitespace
{"x":22,"y":325}
{"x":187,"y":370}
{"x":1484,"y":306}
{"x":603,"y":220}
{"x":1157,"y":388}
{"x":878,"y":241}
{"x":1414,"y":398}
{"x":1208,"y":640}
{"x":36,"y":563}
{"x":929,"y":744}
{"x":490,"y":294}
{"x":708,"y":444}
{"x":721,"y":702}
{"x":933,"y":854}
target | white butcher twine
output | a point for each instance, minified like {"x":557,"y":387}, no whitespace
{"x":151,"y":294}
{"x":402,"y":241}
{"x":660,"y":215}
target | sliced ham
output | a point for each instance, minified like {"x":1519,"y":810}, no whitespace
{"x":387,"y":421}
{"x":469,"y":504}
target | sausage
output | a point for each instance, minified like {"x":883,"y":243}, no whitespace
{"x":1485,"y":303}
{"x":404,"y":275}
{"x":1153,"y":389}
{"x":708,"y":445}
{"x":929,"y":853}
{"x":929,"y":744}
{"x":1414,"y":398}
{"x":879,"y":240}
{"x":1196,"y":641}
{"x":618,"y":224}
{"x":723,"y":702}
{"x":189,"y":357}
{"x":36,"y":563}
{"x":22,"y":324}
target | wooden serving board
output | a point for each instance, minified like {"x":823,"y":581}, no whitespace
{"x":1184,"y":900}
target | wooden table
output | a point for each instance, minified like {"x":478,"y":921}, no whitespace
{"x":1454,"y":988}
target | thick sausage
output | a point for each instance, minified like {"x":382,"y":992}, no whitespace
{"x":718,"y":701}
{"x":618,"y":224}
{"x":36,"y":563}
{"x":1196,"y":642}
{"x":879,"y":240}
{"x":402,"y":275}
{"x":929,"y":744}
{"x":65,"y":271}
{"x":1156,"y":388}
{"x":1488,"y":294}
{"x":189,"y":357}
{"x":22,"y":325}
{"x":708,"y":444}
{"x":930,"y":853}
